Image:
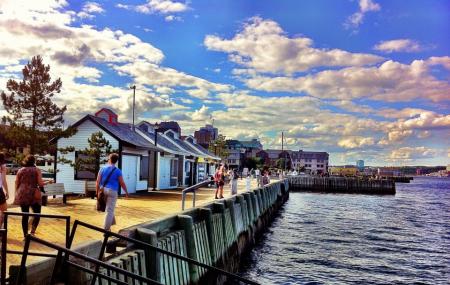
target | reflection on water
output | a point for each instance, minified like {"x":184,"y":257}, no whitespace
{"x":359,"y":239}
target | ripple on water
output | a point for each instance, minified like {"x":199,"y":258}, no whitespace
{"x":357,"y":239}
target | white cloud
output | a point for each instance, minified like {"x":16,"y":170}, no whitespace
{"x":171,"y":18}
{"x":399,"y":45}
{"x":263,"y":46}
{"x":356,"y":142}
{"x":391,"y":81}
{"x":157,"y":7}
{"x":357,"y":18}
{"x":89,"y":9}
{"x":410,"y":153}
{"x":79,"y":55}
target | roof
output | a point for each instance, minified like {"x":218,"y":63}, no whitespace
{"x":120,"y":131}
{"x":162,"y":140}
{"x":204,"y":151}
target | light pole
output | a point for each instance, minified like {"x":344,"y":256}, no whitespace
{"x":134,"y":101}
{"x":155,"y":165}
{"x":215,"y":149}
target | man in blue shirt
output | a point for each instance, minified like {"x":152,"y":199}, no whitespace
{"x":109,"y":179}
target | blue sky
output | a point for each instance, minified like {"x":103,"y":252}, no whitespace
{"x":365,"y":79}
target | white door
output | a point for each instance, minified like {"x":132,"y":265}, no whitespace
{"x":129,"y":172}
{"x":164,"y":173}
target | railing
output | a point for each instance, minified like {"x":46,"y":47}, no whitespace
{"x":138,"y":243}
{"x":67,"y":253}
{"x":193,"y":189}
{"x":4,"y":238}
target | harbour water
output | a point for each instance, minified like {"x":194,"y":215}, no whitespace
{"x":359,"y":239}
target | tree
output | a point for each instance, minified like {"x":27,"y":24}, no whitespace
{"x":219,"y":147}
{"x":253,"y":162}
{"x":283,"y":163}
{"x":33,"y":117}
{"x":90,"y":158}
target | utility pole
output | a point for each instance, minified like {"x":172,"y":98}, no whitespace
{"x":134,"y":101}
{"x":282,"y":140}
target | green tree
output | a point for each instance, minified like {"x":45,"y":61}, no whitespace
{"x":91,"y":157}
{"x":33,"y":117}
{"x":253,"y":162}
{"x":219,"y":147}
{"x":283,"y":163}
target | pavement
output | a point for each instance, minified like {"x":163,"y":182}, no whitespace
{"x":129,"y":211}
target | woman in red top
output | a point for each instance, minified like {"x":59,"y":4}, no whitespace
{"x":4,"y":194}
{"x":28,"y":181}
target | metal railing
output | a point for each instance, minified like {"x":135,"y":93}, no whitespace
{"x":4,"y":238}
{"x":142,"y":244}
{"x":66,"y":261}
{"x":192,"y":189}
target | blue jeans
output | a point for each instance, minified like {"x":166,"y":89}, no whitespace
{"x":111,"y":200}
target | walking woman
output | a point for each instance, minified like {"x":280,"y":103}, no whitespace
{"x":4,"y":194}
{"x":219,"y":178}
{"x":109,"y":180}
{"x":28,"y":184}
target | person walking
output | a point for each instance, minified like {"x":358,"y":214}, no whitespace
{"x":29,"y":185}
{"x":4,"y":193}
{"x":219,"y":178}
{"x":248,"y":182}
{"x":234,"y":180}
{"x":258,"y":177}
{"x":109,"y":179}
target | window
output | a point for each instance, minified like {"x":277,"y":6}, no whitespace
{"x":174,"y":168}
{"x":143,"y":174}
{"x":86,"y":166}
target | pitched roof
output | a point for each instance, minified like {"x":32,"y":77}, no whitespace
{"x":120,"y":131}
{"x":124,"y":133}
{"x":162,"y":140}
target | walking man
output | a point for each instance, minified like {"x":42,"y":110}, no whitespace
{"x":109,"y":180}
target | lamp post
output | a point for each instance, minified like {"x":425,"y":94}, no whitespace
{"x":134,"y":100}
{"x":155,"y":166}
{"x":215,"y":149}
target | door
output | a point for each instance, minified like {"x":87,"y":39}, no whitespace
{"x":164,"y":174}
{"x":129,"y":172}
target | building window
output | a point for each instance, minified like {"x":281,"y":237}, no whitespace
{"x":87,"y":166}
{"x":174,"y":168}
{"x":143,"y":174}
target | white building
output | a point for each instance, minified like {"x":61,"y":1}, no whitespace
{"x":133,"y":149}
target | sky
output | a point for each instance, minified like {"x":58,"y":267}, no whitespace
{"x":367,"y":79}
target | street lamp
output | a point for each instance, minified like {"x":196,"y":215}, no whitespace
{"x":134,"y":101}
{"x":215,"y":149}
{"x":155,"y":128}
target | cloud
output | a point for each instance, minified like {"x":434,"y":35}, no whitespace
{"x":171,"y":18}
{"x":399,"y":45}
{"x":357,"y":18}
{"x":410,"y":153}
{"x":80,"y":55}
{"x":89,"y":9}
{"x":263,"y":46}
{"x":157,"y":7}
{"x":356,"y":142}
{"x":391,"y":81}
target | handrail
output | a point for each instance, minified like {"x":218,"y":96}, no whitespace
{"x":192,"y":189}
{"x":67,"y":252}
{"x":107,"y":234}
{"x":3,"y":256}
{"x":4,"y":237}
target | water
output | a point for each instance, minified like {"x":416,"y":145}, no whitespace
{"x":359,"y":239}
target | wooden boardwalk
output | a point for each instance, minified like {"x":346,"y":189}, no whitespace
{"x":131,"y":211}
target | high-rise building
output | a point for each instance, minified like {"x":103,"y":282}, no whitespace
{"x":206,"y":135}
{"x":360,"y":165}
